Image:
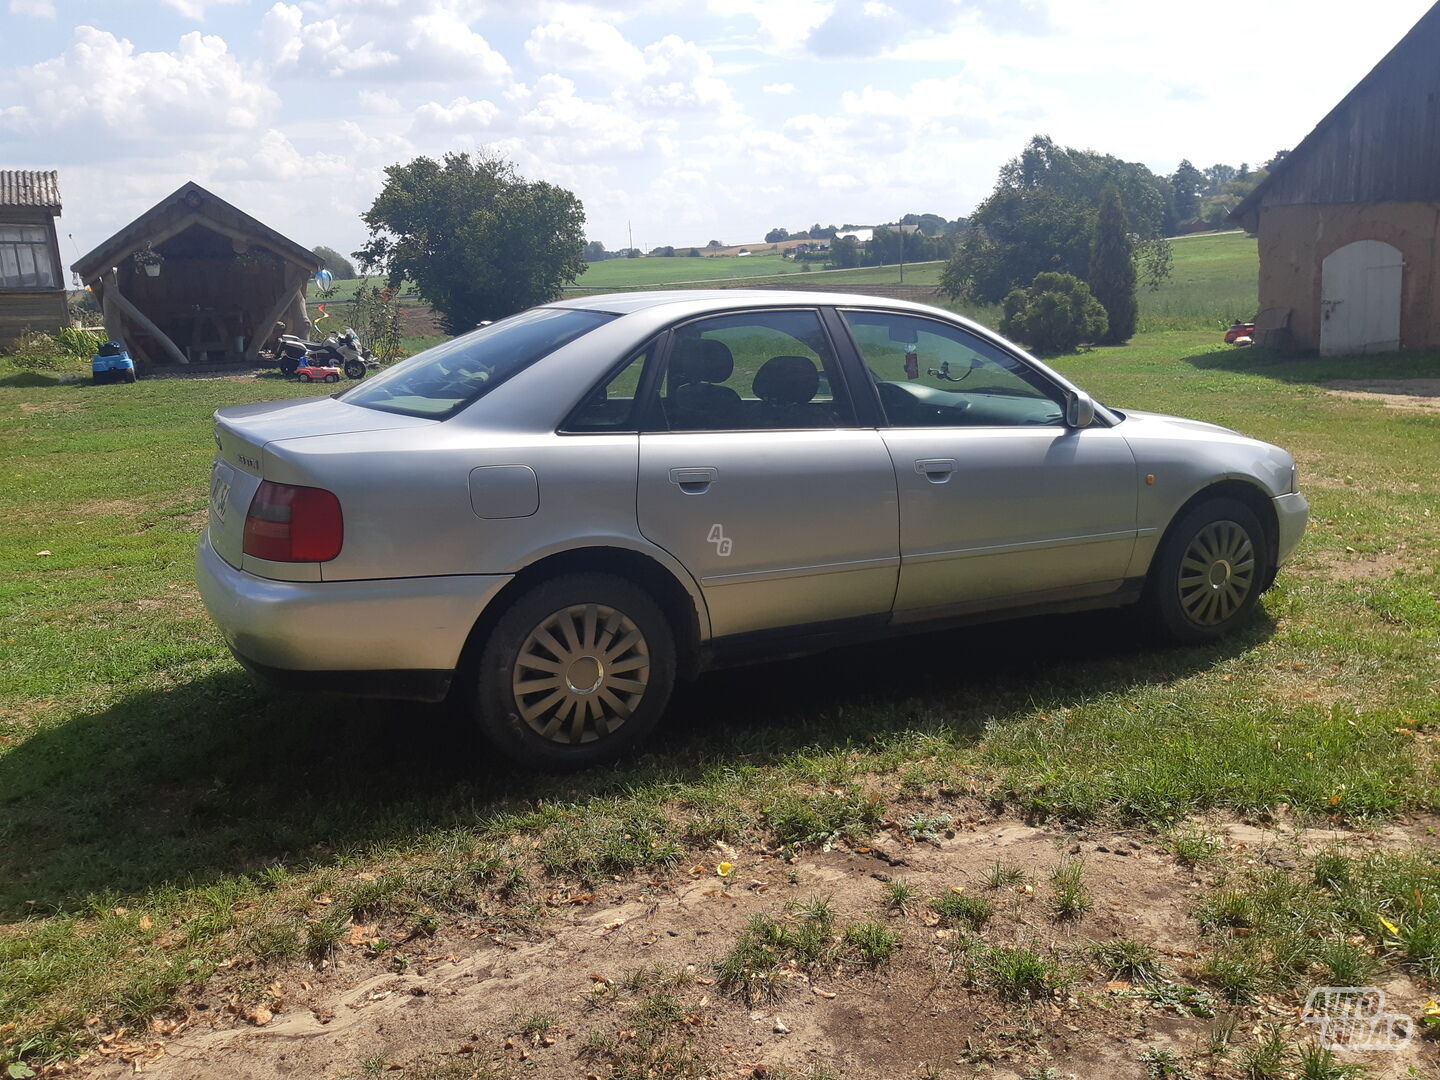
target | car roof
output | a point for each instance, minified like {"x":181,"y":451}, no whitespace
{"x":700,"y":300}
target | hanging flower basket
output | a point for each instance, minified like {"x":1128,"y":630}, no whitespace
{"x":149,"y":260}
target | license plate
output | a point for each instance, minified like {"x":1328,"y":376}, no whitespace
{"x":220,"y":479}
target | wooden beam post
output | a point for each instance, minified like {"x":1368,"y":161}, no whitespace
{"x":121,"y":301}
{"x":294,"y":279}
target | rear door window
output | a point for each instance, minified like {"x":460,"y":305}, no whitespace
{"x":439,"y":382}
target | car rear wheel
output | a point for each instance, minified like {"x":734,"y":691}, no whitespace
{"x":303,"y":377}
{"x":332,"y":377}
{"x":1209,"y":574}
{"x":576,"y":673}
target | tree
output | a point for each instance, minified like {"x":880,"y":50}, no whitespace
{"x":1154,"y":259}
{"x":1112,"y":269}
{"x":479,"y":241}
{"x":1054,"y":315}
{"x":1041,"y":217}
{"x":693,"y":253}
{"x":595,"y":252}
{"x":1188,"y":182}
{"x":714,"y":244}
{"x":341,"y":268}
{"x":844,"y":253}
{"x":774,"y":236}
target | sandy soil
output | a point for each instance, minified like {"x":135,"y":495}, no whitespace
{"x":457,"y":1007}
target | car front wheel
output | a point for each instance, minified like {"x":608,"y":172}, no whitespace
{"x":576,"y":673}
{"x":1208,"y":576}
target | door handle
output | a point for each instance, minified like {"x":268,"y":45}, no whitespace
{"x":694,"y":481}
{"x":936,"y":470}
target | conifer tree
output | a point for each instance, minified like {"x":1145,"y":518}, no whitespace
{"x":1112,"y":268}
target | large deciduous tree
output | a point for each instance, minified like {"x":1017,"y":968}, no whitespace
{"x":1112,"y":269}
{"x":1188,"y":182}
{"x":479,"y":241}
{"x":1041,"y":216}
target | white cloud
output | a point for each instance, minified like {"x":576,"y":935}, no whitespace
{"x":441,"y":44}
{"x":378,"y":103}
{"x":195,"y":9}
{"x":582,"y":44}
{"x":102,"y":88}
{"x":460,"y":114}
{"x":574,"y":127}
{"x":778,"y":88}
{"x":41,"y":9}
{"x":280,"y":33}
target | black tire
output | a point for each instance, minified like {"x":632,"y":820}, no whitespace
{"x":288,"y":366}
{"x":1208,"y":575}
{"x":537,"y":728}
{"x":332,"y":377}
{"x":129,"y":376}
{"x":355,"y":369}
{"x":303,"y":377}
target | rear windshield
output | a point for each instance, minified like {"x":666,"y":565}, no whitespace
{"x":439,"y":382}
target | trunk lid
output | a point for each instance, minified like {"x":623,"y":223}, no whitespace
{"x":241,"y":434}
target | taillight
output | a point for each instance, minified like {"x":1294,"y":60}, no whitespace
{"x":287,"y":523}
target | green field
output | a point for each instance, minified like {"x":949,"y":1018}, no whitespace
{"x":164,"y":827}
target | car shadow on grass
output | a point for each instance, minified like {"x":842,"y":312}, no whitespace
{"x":211,"y":778}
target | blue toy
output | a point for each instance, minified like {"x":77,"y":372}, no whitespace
{"x":112,"y":364}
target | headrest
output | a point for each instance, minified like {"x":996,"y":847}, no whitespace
{"x":700,"y":360}
{"x":787,"y":380}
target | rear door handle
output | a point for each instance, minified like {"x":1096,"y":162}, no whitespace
{"x":936,"y":470}
{"x":694,"y":481}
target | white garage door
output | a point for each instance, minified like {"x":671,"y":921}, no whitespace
{"x":1360,"y":299}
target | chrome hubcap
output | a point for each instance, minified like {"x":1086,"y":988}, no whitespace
{"x":581,"y":674}
{"x":1217,"y":573}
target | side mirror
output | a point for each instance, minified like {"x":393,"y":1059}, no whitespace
{"x":1079,"y":410}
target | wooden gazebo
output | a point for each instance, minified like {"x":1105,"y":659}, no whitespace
{"x":194,"y":280}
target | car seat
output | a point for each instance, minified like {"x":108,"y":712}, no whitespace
{"x":786,"y":385}
{"x":696,"y":401}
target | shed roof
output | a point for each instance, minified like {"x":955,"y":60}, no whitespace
{"x":34,"y":189}
{"x":190,"y":204}
{"x":1421,"y":41}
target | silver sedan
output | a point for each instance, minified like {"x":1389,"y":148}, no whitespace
{"x":557,"y":516}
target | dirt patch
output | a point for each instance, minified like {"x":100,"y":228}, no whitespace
{"x":577,"y":996}
{"x":1357,"y":567}
{"x":1421,"y":395}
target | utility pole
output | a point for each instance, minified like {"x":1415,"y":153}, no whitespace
{"x":900,"y":228}
{"x":631,"y":234}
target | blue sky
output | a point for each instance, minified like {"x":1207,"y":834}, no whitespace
{"x":712,"y":119}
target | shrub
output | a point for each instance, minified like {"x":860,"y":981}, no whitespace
{"x":1054,"y":315}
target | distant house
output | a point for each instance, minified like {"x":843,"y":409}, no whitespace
{"x":195,"y":280}
{"x":1349,"y":221}
{"x":860,"y":236}
{"x":32,"y":282}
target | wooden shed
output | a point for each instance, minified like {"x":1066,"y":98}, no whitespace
{"x":195,"y":280}
{"x":32,"y":279}
{"x":1349,"y":221}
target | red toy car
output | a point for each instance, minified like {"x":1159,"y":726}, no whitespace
{"x":1240,"y":333}
{"x":314,"y":373}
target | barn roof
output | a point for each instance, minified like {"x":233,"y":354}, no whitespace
{"x":32,"y":189}
{"x":189,"y":205}
{"x":1418,"y":48}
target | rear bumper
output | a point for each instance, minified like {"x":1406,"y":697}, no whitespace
{"x":1291,"y":513}
{"x":355,"y":637}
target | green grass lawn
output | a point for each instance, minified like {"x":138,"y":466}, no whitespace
{"x":159,"y":818}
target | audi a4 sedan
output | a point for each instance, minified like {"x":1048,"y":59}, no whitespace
{"x":556,"y":517}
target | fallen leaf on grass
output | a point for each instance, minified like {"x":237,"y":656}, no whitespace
{"x":822,"y":993}
{"x":260,"y":1016}
{"x":361,"y":935}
